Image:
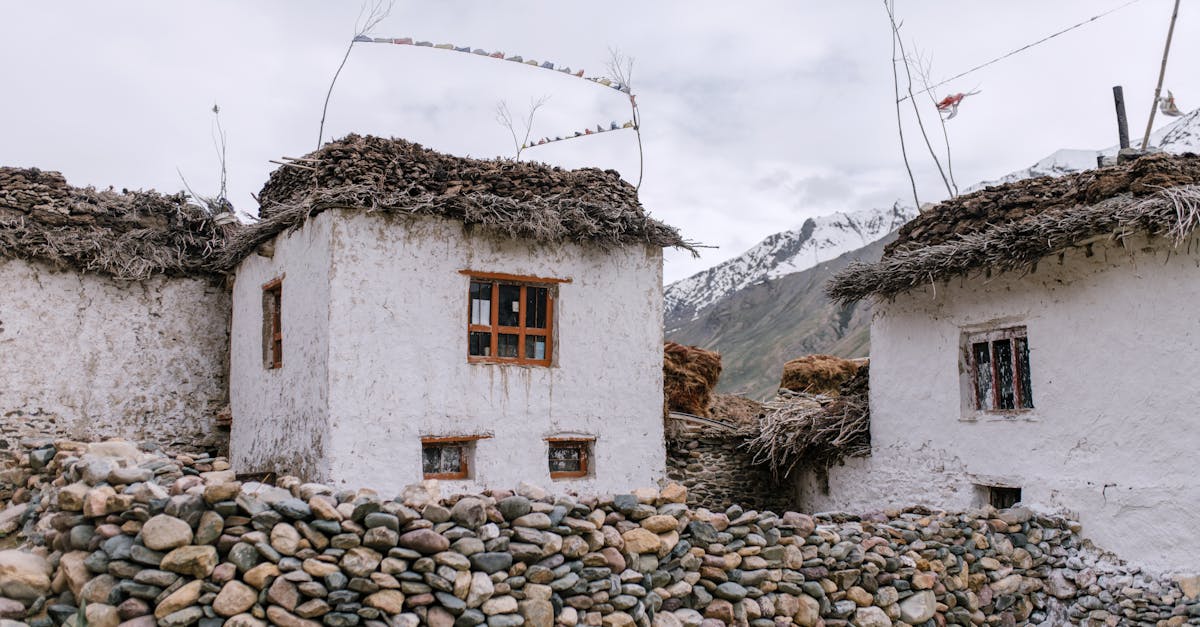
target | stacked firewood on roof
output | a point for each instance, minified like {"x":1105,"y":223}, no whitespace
{"x":127,"y":234}
{"x":397,"y":164}
{"x":527,"y":201}
{"x":1013,"y":202}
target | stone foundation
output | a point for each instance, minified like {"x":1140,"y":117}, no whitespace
{"x":148,"y":539}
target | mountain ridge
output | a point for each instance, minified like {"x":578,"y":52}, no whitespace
{"x":786,"y":252}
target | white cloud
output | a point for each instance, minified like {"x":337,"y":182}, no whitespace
{"x":757,"y":114}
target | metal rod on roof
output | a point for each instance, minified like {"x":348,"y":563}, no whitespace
{"x":1122,"y":121}
{"x":1161,"y":72}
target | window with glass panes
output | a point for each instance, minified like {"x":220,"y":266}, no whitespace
{"x":999,"y":370}
{"x":448,"y":457}
{"x":509,"y":320}
{"x":568,"y":457}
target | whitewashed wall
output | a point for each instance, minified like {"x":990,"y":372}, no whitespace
{"x":1114,"y":355}
{"x":398,"y":361}
{"x":85,"y":356}
{"x":280,"y":416}
{"x":375,"y":357}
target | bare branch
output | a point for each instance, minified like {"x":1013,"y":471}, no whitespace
{"x":620,"y":69}
{"x":370,"y":15}
{"x":912,"y":98}
{"x":218,"y":204}
{"x":899,"y":121}
{"x":505,"y":119}
{"x":219,"y":142}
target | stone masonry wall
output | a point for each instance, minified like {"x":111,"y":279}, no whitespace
{"x":717,"y":472}
{"x":140,"y":539}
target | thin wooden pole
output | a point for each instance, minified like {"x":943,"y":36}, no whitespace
{"x":1162,"y":71}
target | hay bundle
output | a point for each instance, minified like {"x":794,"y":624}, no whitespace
{"x":689,"y":376}
{"x":818,"y":374}
{"x":814,"y":431}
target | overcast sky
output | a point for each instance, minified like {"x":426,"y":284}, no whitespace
{"x":756,"y":115}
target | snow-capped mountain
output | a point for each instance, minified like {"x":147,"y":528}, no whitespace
{"x":824,"y":238}
{"x":1182,"y":135}
{"x":1062,"y":162}
{"x":817,"y":240}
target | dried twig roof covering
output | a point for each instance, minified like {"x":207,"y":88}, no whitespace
{"x":518,"y":199}
{"x":127,"y":235}
{"x":1012,"y":226}
{"x":814,"y":431}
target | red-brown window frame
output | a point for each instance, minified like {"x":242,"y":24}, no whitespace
{"x":1020,"y":395}
{"x":463,"y":441}
{"x":273,"y":323}
{"x":585,"y":463}
{"x":524,"y":282}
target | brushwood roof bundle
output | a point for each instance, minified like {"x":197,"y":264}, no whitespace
{"x":129,"y":235}
{"x":1013,"y":226}
{"x":394,"y":176}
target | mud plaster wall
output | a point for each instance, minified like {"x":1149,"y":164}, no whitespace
{"x":83,"y":356}
{"x":398,"y":365}
{"x":1113,"y":356}
{"x":280,"y":416}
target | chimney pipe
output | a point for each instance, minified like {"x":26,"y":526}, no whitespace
{"x":1122,"y":123}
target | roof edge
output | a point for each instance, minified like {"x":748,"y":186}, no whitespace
{"x":1172,"y":212}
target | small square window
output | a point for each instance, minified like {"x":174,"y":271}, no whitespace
{"x":998,"y":367}
{"x":449,"y":457}
{"x":1003,"y":497}
{"x":272,"y":325}
{"x":569,"y":458}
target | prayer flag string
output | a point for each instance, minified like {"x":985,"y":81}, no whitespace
{"x":600,"y":128}
{"x":546,"y":65}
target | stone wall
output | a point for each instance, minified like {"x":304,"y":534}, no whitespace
{"x":717,"y":472}
{"x":84,"y":355}
{"x":146,"y":539}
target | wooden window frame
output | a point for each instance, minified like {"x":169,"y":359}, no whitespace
{"x":465,"y":442}
{"x":273,"y":323}
{"x":1003,"y":497}
{"x":521,"y":331}
{"x":584,"y":445}
{"x":1020,"y":394}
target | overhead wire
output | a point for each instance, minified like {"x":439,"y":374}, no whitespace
{"x":1025,"y":47}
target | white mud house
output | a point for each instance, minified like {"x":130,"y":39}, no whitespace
{"x":402,"y":315}
{"x":1038,"y":342}
{"x":111,"y":325}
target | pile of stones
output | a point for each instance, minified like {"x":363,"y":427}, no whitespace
{"x":114,"y":535}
